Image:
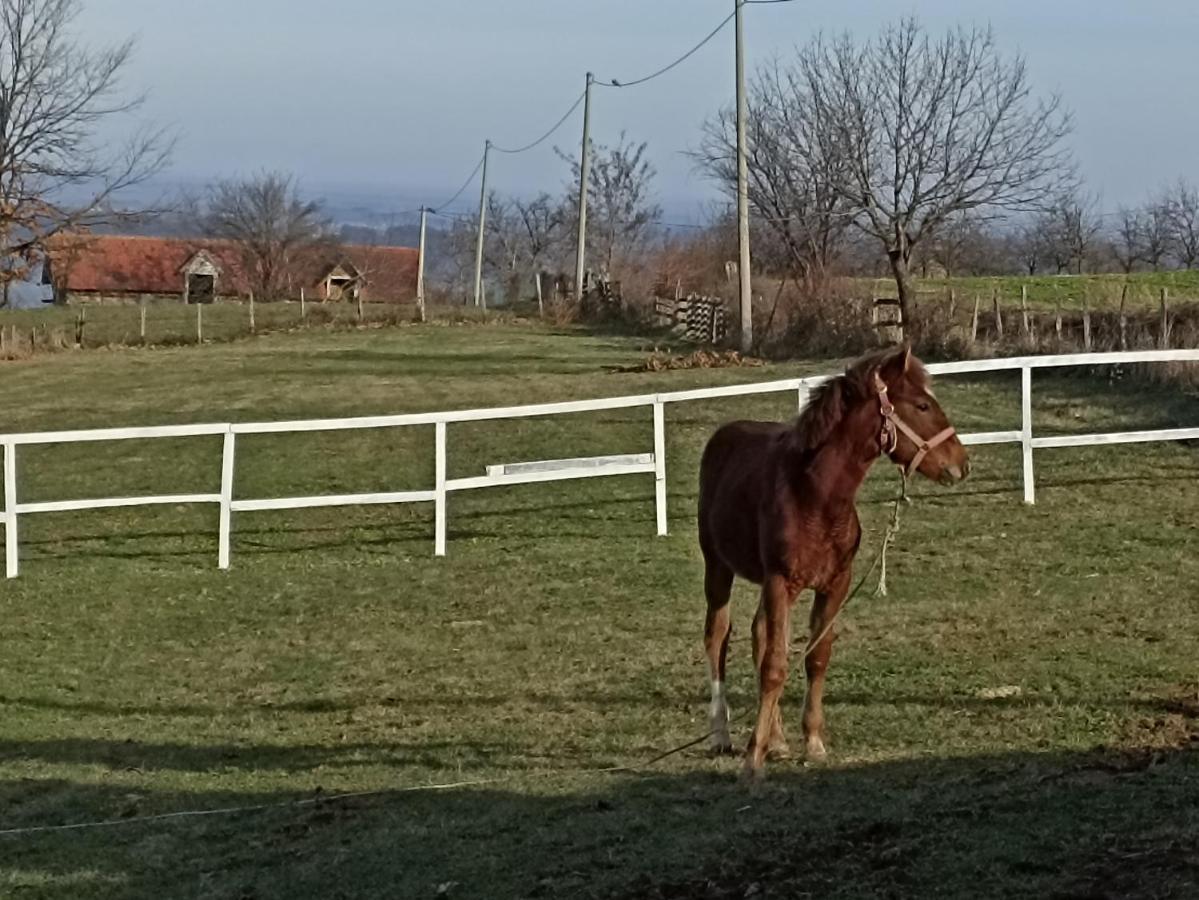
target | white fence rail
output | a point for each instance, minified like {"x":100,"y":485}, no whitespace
{"x":634,"y":464}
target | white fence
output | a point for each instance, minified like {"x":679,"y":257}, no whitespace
{"x":526,"y":473}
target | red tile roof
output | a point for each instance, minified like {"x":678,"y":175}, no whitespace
{"x":115,"y":264}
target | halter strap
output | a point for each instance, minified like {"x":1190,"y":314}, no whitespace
{"x":893,"y":424}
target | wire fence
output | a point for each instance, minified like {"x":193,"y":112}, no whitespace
{"x":25,"y":333}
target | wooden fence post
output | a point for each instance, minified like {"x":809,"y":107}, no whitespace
{"x":974,"y":320}
{"x":1086,"y":325}
{"x":199,"y":323}
{"x":252,"y":329}
{"x":1123,"y":318}
{"x":998,"y":314}
{"x":1057,"y":320}
{"x":303,"y":305}
{"x":359,"y":302}
{"x":1165,"y":328}
{"x":1024,"y":310}
{"x":142,"y":317}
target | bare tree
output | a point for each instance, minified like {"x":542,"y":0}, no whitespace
{"x":793,"y":178}
{"x":1128,"y":238}
{"x":272,"y":225}
{"x":502,"y":247}
{"x":1029,"y":246}
{"x":962,"y":246}
{"x":1070,"y":226}
{"x":543,"y":225}
{"x":1182,"y":204}
{"x":621,"y":209}
{"x":543,"y":231}
{"x":933,"y":129}
{"x":56,"y":174}
{"x":1156,"y":233}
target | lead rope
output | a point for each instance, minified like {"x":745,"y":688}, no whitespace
{"x":892,"y":531}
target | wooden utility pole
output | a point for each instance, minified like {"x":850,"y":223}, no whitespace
{"x":482,"y":229}
{"x":420,"y":266}
{"x":584,"y":178}
{"x":743,"y":264}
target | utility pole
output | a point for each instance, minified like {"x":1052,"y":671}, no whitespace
{"x":584,"y":177}
{"x":482,"y":228}
{"x":420,"y":266}
{"x":743,"y":264}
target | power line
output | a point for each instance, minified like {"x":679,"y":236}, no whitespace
{"x":686,"y":56}
{"x":546,"y":136}
{"x":465,"y":185}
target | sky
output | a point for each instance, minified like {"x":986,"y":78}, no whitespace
{"x":388,"y":102}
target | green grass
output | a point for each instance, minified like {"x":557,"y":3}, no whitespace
{"x":1069,"y":292}
{"x":175,"y":323}
{"x":560,"y":636}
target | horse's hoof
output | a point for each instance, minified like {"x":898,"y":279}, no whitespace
{"x":722,"y":748}
{"x":778,"y":752}
{"x":752,"y":774}
{"x":815,"y":753}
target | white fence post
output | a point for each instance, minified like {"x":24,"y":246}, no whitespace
{"x":804,"y":394}
{"x":10,"y":510}
{"x":660,"y":465}
{"x":1030,"y":494}
{"x":439,"y":441}
{"x":226,"y":527}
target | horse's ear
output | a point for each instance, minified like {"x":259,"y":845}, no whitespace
{"x":897,"y":363}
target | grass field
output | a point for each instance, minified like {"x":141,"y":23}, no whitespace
{"x":1018,"y":718}
{"x":174,"y":323}
{"x":1069,"y":292}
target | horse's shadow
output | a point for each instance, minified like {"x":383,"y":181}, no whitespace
{"x":1098,"y":824}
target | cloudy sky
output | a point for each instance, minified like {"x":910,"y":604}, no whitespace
{"x":391,"y":100}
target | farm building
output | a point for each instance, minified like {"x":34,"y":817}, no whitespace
{"x":112,"y":268}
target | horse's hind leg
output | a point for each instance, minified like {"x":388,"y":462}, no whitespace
{"x":718,"y":584}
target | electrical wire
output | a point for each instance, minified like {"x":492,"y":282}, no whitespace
{"x":686,"y":56}
{"x":548,"y":134}
{"x":465,"y":185}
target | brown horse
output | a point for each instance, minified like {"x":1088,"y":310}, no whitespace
{"x":777,"y":506}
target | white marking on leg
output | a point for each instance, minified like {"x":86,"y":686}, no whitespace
{"x":718,"y":713}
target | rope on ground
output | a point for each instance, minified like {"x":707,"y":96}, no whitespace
{"x":880,"y":561}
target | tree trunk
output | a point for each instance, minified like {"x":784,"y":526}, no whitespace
{"x":903,"y":286}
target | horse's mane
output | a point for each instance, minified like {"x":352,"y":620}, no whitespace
{"x":832,"y":401}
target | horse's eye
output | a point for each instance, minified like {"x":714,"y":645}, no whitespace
{"x":923,"y":406}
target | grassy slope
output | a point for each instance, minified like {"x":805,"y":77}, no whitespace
{"x":559,"y":636}
{"x":1045,"y":292}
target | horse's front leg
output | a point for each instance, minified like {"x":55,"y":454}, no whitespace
{"x":819,"y":649}
{"x":775,"y":610}
{"x":776,"y":747}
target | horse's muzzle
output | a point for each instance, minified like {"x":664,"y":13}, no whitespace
{"x":955,"y":473}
